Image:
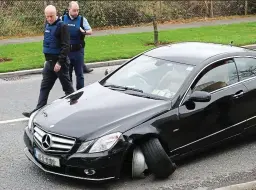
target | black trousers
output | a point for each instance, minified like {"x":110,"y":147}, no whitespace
{"x":48,"y":81}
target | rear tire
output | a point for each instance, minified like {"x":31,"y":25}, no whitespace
{"x":156,"y":158}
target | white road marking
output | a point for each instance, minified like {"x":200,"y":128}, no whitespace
{"x":14,"y":120}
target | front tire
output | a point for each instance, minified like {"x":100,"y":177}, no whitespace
{"x":156,"y":158}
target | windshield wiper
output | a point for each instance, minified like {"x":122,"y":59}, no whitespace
{"x":149,"y":96}
{"x":123,"y":87}
{"x":134,"y":89}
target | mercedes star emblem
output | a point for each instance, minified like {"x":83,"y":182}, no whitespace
{"x":46,"y":141}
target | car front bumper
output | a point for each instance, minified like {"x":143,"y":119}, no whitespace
{"x":31,"y":158}
{"x":106,"y":166}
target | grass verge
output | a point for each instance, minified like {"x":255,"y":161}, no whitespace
{"x":121,"y":46}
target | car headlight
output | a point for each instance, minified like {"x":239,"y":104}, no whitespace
{"x":84,"y":146}
{"x":30,"y":121}
{"x":102,"y":144}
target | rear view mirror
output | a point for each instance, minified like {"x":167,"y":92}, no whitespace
{"x":200,"y":96}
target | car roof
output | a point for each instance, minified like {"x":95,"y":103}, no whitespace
{"x":192,"y":53}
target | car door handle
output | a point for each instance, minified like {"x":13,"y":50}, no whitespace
{"x":238,"y":94}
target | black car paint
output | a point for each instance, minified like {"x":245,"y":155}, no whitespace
{"x":88,"y":119}
{"x":249,"y":106}
{"x":179,"y":129}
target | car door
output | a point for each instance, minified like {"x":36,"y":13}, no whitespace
{"x":202,"y":123}
{"x":246,"y":67}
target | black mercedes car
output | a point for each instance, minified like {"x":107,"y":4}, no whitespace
{"x":157,"y":107}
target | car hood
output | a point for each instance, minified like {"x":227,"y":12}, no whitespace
{"x":95,"y":110}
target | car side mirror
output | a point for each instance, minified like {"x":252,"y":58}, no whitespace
{"x":200,"y":96}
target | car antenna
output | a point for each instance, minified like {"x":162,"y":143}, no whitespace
{"x":231,"y":43}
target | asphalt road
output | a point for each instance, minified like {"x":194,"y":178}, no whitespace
{"x":20,"y":94}
{"x":225,"y":165}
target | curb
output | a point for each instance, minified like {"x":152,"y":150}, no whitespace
{"x":89,"y":65}
{"x":242,"y":186}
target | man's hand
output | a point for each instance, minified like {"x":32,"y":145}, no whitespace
{"x":83,"y":31}
{"x":57,"y":67}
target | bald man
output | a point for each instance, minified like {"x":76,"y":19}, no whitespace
{"x":78,"y":28}
{"x":55,"y":49}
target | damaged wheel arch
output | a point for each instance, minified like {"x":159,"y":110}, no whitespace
{"x":142,"y":158}
{"x":148,"y":152}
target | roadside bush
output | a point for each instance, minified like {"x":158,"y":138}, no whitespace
{"x":27,"y":17}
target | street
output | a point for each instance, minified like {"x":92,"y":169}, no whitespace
{"x":227,"y":164}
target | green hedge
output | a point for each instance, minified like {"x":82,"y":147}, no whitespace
{"x":27,"y":17}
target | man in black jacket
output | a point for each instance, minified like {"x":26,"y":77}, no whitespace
{"x":55,"y":48}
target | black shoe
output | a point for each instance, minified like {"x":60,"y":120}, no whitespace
{"x":88,"y":70}
{"x":26,"y":114}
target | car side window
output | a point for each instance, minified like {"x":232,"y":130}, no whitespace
{"x":246,"y":67}
{"x":216,"y":76}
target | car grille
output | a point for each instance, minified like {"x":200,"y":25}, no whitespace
{"x":58,"y":143}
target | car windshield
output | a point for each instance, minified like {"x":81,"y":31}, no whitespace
{"x":150,"y":75}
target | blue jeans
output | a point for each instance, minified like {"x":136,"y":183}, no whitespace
{"x":76,"y":63}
